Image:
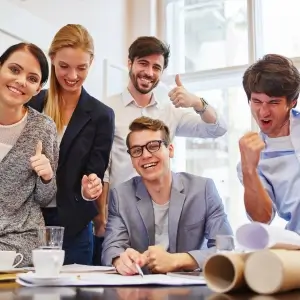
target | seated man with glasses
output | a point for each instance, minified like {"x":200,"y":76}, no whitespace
{"x":159,"y":220}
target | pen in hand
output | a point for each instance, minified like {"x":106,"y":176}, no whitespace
{"x":139,"y":270}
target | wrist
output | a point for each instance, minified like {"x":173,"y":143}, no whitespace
{"x":201,"y":106}
{"x":116,"y":261}
{"x":46,"y":179}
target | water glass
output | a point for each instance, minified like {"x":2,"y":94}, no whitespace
{"x":51,"y":237}
{"x":225,"y":243}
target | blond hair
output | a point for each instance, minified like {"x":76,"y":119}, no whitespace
{"x":71,"y":35}
{"x":145,"y":123}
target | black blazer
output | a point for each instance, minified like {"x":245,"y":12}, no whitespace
{"x":84,"y":149}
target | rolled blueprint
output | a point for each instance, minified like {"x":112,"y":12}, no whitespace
{"x":272,"y":271}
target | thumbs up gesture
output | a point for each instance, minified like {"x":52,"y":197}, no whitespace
{"x":41,"y":164}
{"x":91,"y":186}
{"x":180,"y":97}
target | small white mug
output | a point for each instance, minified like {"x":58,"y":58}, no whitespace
{"x":7,"y":259}
{"x":48,"y":263}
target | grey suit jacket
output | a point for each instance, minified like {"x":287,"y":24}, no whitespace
{"x":195,"y":212}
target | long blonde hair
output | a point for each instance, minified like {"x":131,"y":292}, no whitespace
{"x":71,"y":35}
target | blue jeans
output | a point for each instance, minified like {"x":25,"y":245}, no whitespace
{"x":79,"y":248}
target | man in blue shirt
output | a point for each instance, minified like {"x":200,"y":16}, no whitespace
{"x":269,"y":167}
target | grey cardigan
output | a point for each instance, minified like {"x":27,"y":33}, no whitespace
{"x":22,"y":192}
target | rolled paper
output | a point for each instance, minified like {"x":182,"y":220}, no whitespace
{"x":224,"y":272}
{"x":273,"y":271}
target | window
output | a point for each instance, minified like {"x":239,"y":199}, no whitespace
{"x":212,"y":43}
{"x":208,"y":30}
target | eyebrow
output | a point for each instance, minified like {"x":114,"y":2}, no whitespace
{"x":81,"y":65}
{"x":271,"y":100}
{"x":144,"y":60}
{"x":32,"y":73}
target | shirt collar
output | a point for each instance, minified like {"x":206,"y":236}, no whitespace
{"x":128,"y":99}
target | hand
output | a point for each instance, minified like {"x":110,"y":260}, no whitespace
{"x":91,"y":186}
{"x":99,"y":225}
{"x":41,"y":164}
{"x":180,"y":97}
{"x":125,"y":264}
{"x":159,"y":260}
{"x":251,"y":146}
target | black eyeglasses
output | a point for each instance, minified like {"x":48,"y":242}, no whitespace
{"x":152,"y":146}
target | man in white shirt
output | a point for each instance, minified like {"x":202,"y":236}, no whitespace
{"x":186,"y":115}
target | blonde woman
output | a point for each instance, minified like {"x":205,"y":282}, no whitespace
{"x":28,"y":150}
{"x":85,"y":132}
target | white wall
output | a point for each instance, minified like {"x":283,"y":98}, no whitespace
{"x":38,"y":20}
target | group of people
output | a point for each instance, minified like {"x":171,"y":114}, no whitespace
{"x":65,"y":156}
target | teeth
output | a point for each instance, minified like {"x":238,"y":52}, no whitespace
{"x":15,"y":90}
{"x":71,"y":82}
{"x":145,"y":80}
{"x":149,"y":165}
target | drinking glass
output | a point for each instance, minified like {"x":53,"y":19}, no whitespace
{"x":51,"y":237}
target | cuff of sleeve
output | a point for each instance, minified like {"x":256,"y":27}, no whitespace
{"x":86,"y":198}
{"x":45,"y":183}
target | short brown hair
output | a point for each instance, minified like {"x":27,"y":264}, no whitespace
{"x":145,"y":123}
{"x":273,"y":75}
{"x":148,"y":45}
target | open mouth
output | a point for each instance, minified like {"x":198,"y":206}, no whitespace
{"x":149,"y":165}
{"x":71,"y":83}
{"x":15,"y":90}
{"x":145,"y":81}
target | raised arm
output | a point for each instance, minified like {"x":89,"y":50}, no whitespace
{"x":257,"y":201}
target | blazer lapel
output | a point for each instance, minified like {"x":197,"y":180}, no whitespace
{"x":176,"y":204}
{"x":145,"y":208}
{"x":78,"y":120}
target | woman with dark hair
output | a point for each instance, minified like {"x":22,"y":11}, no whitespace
{"x":28,"y":149}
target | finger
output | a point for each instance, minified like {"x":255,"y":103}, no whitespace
{"x":124,"y":270}
{"x":39,"y":148}
{"x":170,"y":94}
{"x":39,"y":162}
{"x":126,"y":260}
{"x":175,"y":96}
{"x":178,"y":81}
{"x":92,"y":177}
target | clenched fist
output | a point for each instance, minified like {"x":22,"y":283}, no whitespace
{"x":251,"y":146}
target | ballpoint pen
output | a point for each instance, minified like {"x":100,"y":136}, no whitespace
{"x":139,"y":270}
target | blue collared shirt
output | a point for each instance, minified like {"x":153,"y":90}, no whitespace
{"x":279,"y":170}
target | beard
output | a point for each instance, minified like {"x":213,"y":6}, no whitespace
{"x":133,"y":77}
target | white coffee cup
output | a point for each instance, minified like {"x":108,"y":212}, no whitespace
{"x":7,"y":259}
{"x":48,"y":263}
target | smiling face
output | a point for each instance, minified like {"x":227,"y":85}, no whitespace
{"x":20,"y":78}
{"x":271,"y":113}
{"x":145,"y":72}
{"x":151,"y":166}
{"x":71,"y":68}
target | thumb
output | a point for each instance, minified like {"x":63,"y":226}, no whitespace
{"x":178,"y":81}
{"x":39,"y":148}
{"x":85,"y":180}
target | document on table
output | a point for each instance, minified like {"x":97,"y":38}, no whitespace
{"x":256,"y":236}
{"x":102,"y":279}
{"x":76,"y":268}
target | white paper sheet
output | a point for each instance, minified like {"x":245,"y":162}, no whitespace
{"x":76,"y":268}
{"x":102,"y":279}
{"x":256,"y":236}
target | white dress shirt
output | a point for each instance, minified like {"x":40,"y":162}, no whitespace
{"x":184,"y":122}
